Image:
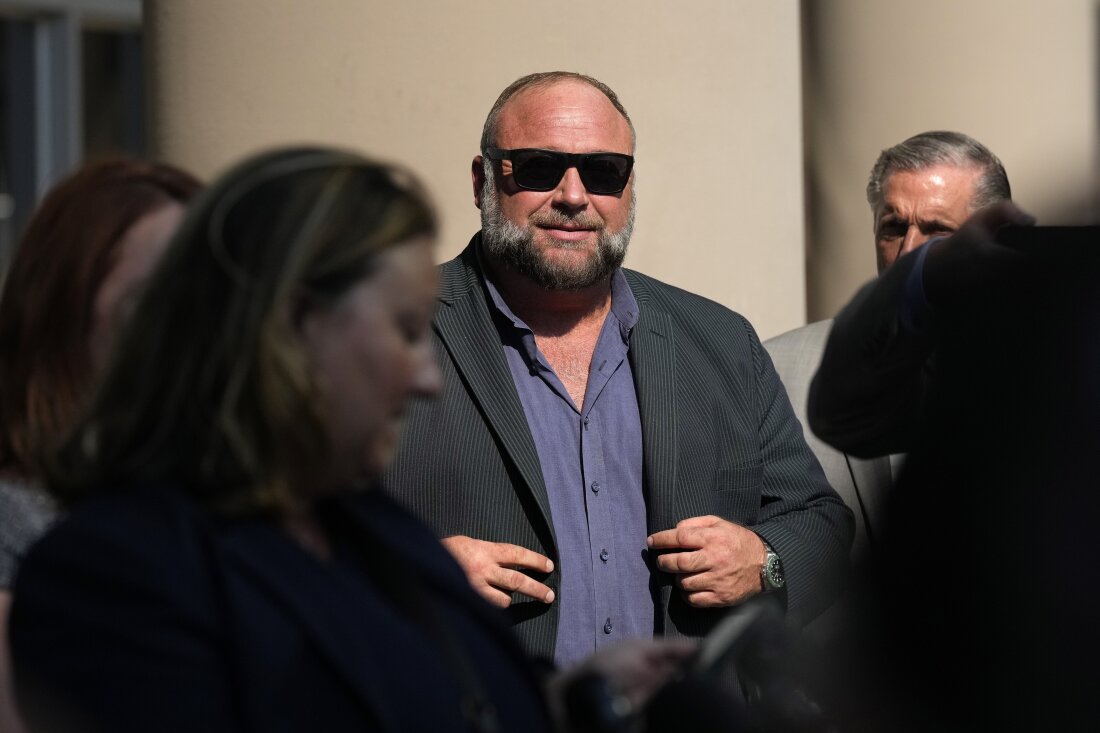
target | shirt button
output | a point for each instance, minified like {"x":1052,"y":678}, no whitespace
{"x":586,"y":421}
{"x":595,"y":487}
{"x":607,"y":627}
{"x":604,"y":554}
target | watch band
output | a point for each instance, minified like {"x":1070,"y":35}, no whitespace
{"x":771,"y":571}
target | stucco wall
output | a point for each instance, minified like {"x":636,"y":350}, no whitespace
{"x":713,"y":87}
{"x":1018,"y":75}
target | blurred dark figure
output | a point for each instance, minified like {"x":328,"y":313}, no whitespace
{"x":227,"y":564}
{"x":980,"y":612}
{"x":85,"y":252}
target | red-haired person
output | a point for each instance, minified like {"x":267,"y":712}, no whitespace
{"x":91,"y":242}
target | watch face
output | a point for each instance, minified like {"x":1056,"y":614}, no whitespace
{"x":774,"y":572}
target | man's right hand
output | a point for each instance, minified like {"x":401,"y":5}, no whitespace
{"x":493,"y":569}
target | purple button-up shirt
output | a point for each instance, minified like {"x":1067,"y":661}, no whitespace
{"x":592,"y":465}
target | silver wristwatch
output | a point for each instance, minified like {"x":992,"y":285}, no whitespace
{"x":771,"y":572}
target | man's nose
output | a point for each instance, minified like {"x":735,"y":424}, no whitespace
{"x":914,"y":238}
{"x":571,"y":192}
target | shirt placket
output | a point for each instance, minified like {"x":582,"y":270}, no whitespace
{"x":599,"y":500}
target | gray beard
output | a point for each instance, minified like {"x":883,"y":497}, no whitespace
{"x":512,"y":245}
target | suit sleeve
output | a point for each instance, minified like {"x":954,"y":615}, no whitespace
{"x":868,"y":393}
{"x":112,"y":634}
{"x":801,"y":516}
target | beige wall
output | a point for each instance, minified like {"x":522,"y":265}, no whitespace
{"x":1019,"y":75}
{"x":713,"y":87}
{"x":714,"y":90}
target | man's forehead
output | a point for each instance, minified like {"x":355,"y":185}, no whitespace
{"x":568,"y":91}
{"x":560,"y":107}
{"x":938,"y":177}
{"x":940,"y":186}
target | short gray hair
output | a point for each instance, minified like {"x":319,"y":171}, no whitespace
{"x":546,"y":79}
{"x":942,"y":147}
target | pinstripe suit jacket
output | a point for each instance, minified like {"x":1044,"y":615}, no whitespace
{"x":718,"y":435}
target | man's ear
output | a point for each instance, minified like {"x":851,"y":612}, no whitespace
{"x":477,"y":177}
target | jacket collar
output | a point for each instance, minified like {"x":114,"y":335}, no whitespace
{"x":464,"y":324}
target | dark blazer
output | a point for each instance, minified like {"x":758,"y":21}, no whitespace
{"x":718,"y":438}
{"x":140,"y":612}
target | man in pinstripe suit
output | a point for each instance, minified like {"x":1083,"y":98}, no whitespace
{"x":611,"y":457}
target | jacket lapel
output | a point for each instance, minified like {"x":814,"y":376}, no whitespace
{"x":653,"y":361}
{"x":465,"y":326}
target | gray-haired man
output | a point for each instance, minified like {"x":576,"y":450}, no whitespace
{"x":924,"y":187}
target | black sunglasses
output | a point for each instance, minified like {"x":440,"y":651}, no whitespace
{"x":535,"y":169}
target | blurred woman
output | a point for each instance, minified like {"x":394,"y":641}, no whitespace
{"x":85,"y":251}
{"x":226,"y":565}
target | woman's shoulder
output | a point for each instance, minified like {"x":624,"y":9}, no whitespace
{"x":147,"y":532}
{"x":130,"y":509}
{"x":25,"y":514}
{"x":24,"y":507}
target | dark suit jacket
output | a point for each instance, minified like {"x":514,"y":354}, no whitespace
{"x":140,"y":612}
{"x":718,"y":438}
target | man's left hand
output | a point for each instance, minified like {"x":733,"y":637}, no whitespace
{"x":715,"y":562}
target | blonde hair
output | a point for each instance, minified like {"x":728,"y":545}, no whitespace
{"x":209,"y":387}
